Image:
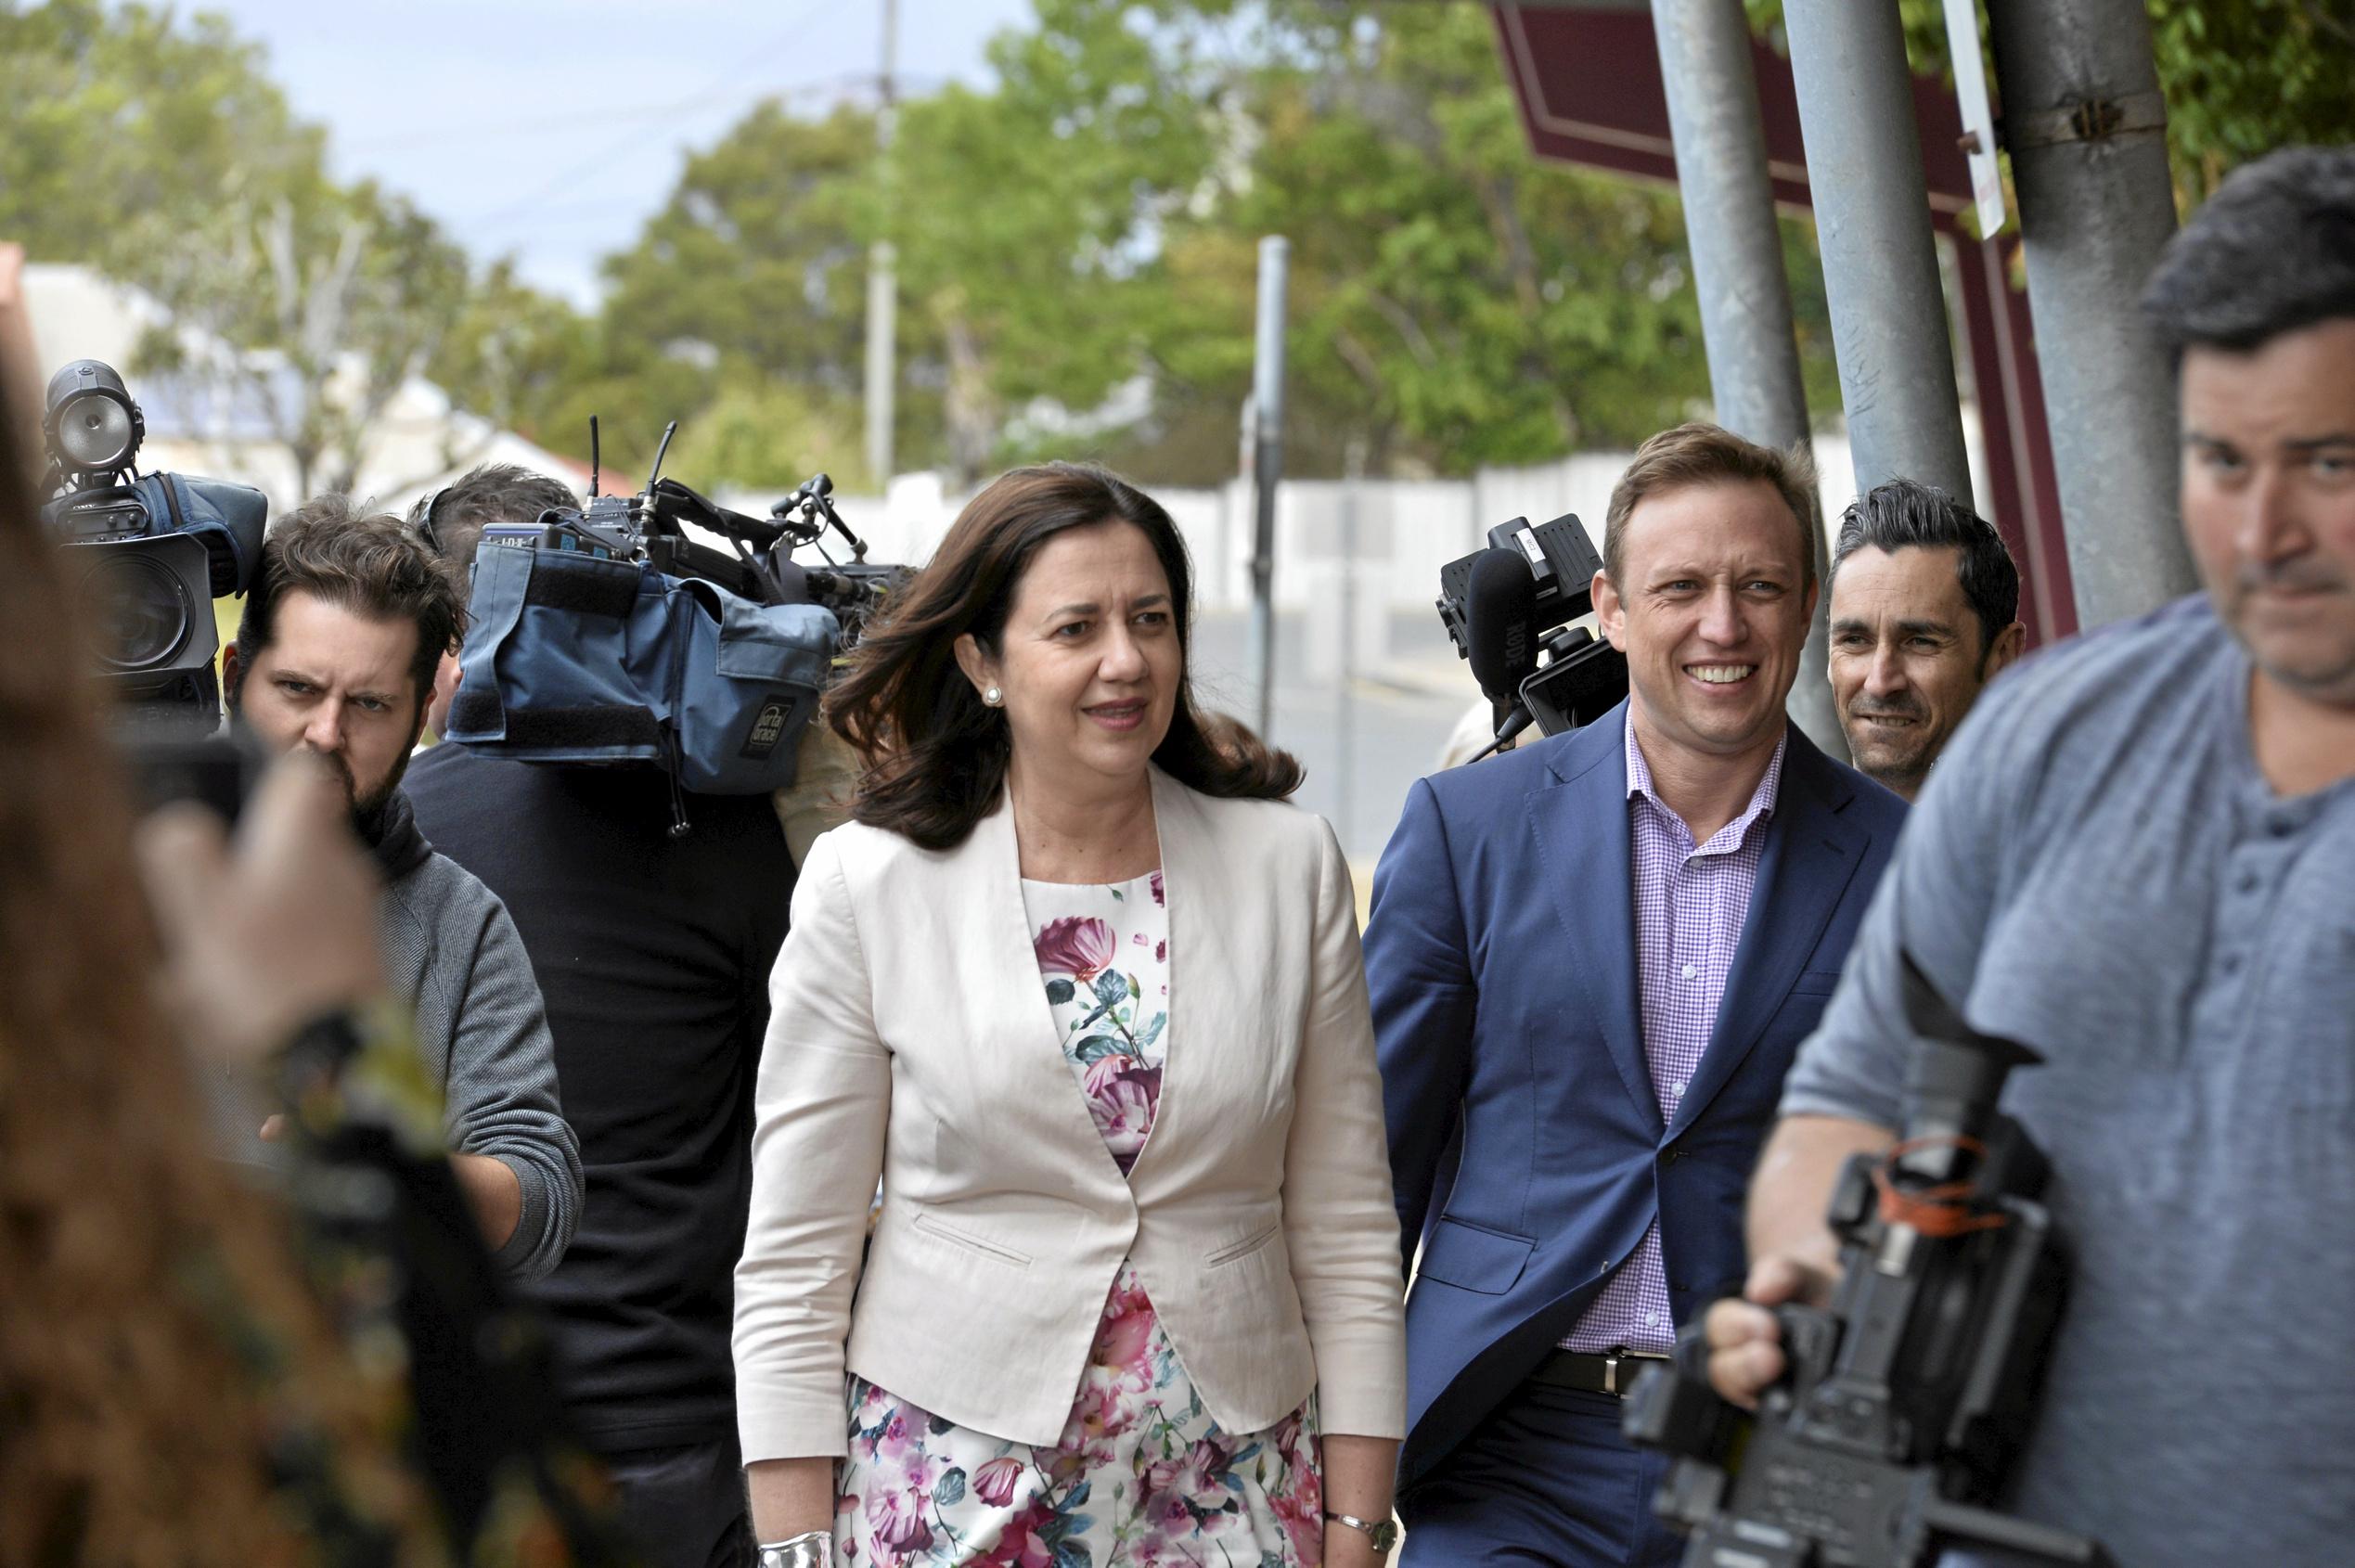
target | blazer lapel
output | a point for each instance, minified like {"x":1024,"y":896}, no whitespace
{"x":1810,"y":856}
{"x":1579,"y":828}
{"x":1189,"y":868}
{"x":1015,"y":984}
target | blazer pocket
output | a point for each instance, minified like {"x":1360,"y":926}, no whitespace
{"x":1815,"y":982}
{"x":1243,"y":1248}
{"x":1473,"y":1257}
{"x":956,"y":1236}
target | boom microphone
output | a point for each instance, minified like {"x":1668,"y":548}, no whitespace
{"x":1500,"y":634}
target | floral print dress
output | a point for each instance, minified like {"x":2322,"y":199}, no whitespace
{"x":1141,"y":1477}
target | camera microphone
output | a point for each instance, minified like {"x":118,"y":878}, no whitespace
{"x":1502,"y":635}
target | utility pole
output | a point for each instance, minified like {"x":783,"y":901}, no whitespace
{"x":1889,"y":322}
{"x":1737,"y":268}
{"x":882,"y":284}
{"x":2087,"y":130}
{"x":1267,"y":468}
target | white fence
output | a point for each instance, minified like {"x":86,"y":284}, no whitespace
{"x":1403,"y":531}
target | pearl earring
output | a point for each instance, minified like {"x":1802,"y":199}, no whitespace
{"x":993,"y":698}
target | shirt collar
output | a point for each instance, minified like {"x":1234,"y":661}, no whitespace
{"x":1762,"y":799}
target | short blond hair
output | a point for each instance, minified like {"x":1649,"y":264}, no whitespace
{"x":1706,"y":454}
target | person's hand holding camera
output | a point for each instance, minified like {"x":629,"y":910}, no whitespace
{"x":269,"y":930}
{"x":1746,"y":1342}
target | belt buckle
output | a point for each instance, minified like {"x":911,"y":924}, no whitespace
{"x":1619,"y":1355}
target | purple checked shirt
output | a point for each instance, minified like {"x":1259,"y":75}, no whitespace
{"x":1690,"y":905}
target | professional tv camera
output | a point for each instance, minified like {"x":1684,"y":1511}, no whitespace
{"x":148,"y":554}
{"x":1905,"y":1401}
{"x":615,"y":633}
{"x":1507,"y":605}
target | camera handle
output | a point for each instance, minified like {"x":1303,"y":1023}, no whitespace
{"x":1962,"y":1524}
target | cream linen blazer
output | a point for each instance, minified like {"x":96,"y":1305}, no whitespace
{"x":910,"y":1037}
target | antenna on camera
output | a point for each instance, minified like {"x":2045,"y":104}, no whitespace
{"x":668,"y":431}
{"x":592,"y":456}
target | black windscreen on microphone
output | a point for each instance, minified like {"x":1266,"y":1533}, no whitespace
{"x":1501,"y":623}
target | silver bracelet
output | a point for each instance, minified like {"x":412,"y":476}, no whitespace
{"x":812,"y":1548}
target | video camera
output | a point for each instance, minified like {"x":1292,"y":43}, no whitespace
{"x":1507,"y":605}
{"x":1905,"y":1400}
{"x":147,"y":555}
{"x":613,"y":633}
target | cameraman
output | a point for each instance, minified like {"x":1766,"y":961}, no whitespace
{"x":2137,"y":861}
{"x":343,"y":629}
{"x":654,"y":954}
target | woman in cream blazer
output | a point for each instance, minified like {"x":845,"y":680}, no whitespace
{"x":1085,"y":993}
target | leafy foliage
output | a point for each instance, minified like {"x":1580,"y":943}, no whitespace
{"x":1074,"y":243}
{"x":157,"y":148}
{"x":2241,"y":77}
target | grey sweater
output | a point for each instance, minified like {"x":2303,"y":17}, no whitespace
{"x":450,"y":946}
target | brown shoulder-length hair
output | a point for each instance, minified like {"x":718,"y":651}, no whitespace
{"x":936,"y":756}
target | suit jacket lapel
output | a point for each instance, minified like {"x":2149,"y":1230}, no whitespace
{"x":1580,"y":832}
{"x":1811,"y":853}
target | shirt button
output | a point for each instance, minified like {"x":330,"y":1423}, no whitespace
{"x":1689,"y":971}
{"x":2250,"y":881}
{"x":1653,"y":1318}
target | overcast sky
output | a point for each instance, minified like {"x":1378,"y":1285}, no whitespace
{"x":552,"y":129}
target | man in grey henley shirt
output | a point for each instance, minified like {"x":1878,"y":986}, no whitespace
{"x":2139,"y":857}
{"x":342,"y":631}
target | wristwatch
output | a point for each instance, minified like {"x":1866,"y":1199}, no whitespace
{"x":812,"y":1548}
{"x":1384,"y":1535}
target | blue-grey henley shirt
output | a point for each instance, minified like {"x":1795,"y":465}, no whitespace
{"x":2100,"y":871}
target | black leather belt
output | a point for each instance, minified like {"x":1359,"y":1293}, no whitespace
{"x":1612,"y":1372}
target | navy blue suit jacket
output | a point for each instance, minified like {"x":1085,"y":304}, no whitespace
{"x":1526,"y":1144}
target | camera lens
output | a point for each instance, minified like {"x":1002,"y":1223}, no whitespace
{"x":141,"y":610}
{"x":94,"y":432}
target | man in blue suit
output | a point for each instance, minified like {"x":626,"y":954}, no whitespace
{"x":1591,"y":960}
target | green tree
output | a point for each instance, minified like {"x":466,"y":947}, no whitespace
{"x":1031,"y":220}
{"x":754,"y":273}
{"x":315,"y":304}
{"x":119,"y":124}
{"x":156,"y":148}
{"x":2241,"y":77}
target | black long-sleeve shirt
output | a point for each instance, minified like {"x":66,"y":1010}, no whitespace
{"x":653,"y":953}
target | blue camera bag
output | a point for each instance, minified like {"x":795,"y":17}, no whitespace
{"x":573,"y":657}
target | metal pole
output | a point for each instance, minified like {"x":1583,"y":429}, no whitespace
{"x":1267,"y":468}
{"x":1344,"y":702}
{"x":882,"y":288}
{"x":1737,"y":268}
{"x":1880,"y":261}
{"x":2087,"y":130}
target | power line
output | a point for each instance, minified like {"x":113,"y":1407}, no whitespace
{"x":841,"y":81}
{"x":590,"y":165}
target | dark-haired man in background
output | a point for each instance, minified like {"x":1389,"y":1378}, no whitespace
{"x":2135,"y":858}
{"x":655,"y":955}
{"x":335,"y":655}
{"x":1925,"y":612}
